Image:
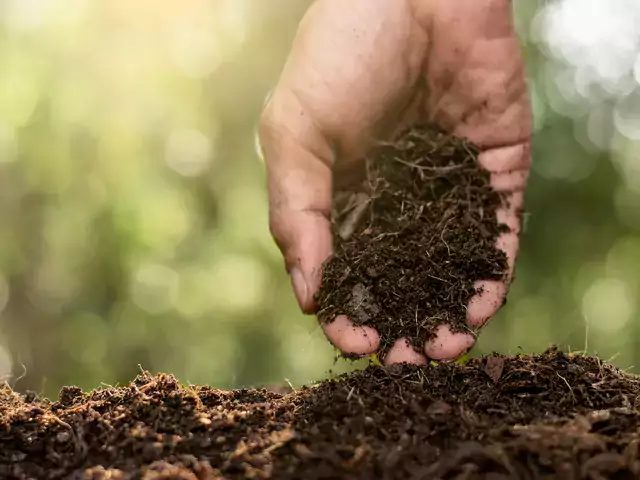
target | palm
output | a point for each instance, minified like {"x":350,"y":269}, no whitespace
{"x":361,"y":73}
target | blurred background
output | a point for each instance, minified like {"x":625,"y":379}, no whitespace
{"x":133,"y":215}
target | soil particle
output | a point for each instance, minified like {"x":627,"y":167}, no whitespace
{"x":412,"y":240}
{"x":551,"y":416}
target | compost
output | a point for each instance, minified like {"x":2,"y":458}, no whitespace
{"x":412,"y":239}
{"x":554,"y":415}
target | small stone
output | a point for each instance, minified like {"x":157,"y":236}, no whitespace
{"x":303,"y":451}
{"x":362,"y":305}
{"x":598,"y":416}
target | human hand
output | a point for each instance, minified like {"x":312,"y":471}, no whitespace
{"x":362,"y":70}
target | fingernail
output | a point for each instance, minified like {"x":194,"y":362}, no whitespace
{"x":300,"y":287}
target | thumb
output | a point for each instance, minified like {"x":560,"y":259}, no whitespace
{"x":299,"y":180}
{"x":346,"y":70}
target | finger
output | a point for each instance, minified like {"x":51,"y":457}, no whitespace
{"x":342,"y":78}
{"x":510,"y":213}
{"x":509,"y":171}
{"x":508,"y":242}
{"x":351,"y":339}
{"x":448,"y":345}
{"x":492,"y":292}
{"x":403,"y":352}
{"x":477,"y":89}
{"x":485,"y":304}
{"x":300,"y":190}
{"x":478,"y":84}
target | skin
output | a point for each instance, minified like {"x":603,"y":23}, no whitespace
{"x":361,"y":70}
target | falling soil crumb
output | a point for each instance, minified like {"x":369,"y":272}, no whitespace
{"x":409,"y":251}
{"x":551,"y":416}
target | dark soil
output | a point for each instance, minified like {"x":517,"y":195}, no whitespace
{"x":552,"y":416}
{"x":410,"y":246}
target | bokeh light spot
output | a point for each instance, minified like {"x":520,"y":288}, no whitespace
{"x":608,"y":305}
{"x":561,"y":93}
{"x":240,"y":283}
{"x":85,"y":337}
{"x":129,"y":327}
{"x":27,"y":14}
{"x":188,"y":152}
{"x":195,"y":51}
{"x":622,"y":261}
{"x":155,"y":288}
{"x":307,"y":351}
{"x":563,"y":162}
{"x":599,"y":38}
{"x":194,"y":295}
{"x":531,"y":321}
{"x":626,"y":116}
{"x":600,"y":128}
{"x":199,"y":369}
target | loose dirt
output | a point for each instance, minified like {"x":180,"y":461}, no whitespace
{"x":552,"y":416}
{"x":413,"y":238}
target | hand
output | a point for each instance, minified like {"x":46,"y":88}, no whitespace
{"x":362,"y":70}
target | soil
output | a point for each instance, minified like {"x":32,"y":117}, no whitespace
{"x":413,"y":238}
{"x":551,"y":416}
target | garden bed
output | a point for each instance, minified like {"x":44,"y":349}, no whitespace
{"x":527,"y":417}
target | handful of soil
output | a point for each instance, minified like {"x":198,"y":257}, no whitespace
{"x":409,"y":250}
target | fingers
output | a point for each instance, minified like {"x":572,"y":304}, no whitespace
{"x":509,"y":214}
{"x":491,"y":293}
{"x":351,"y":339}
{"x":299,"y":186}
{"x":445,"y":346}
{"x":485,"y":304}
{"x":448,"y":345}
{"x":509,"y":167}
{"x":403,"y":352}
{"x":476,"y":76}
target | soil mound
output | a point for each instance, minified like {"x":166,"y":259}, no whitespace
{"x":525,"y":417}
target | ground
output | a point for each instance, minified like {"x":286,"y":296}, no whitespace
{"x":549,"y":416}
